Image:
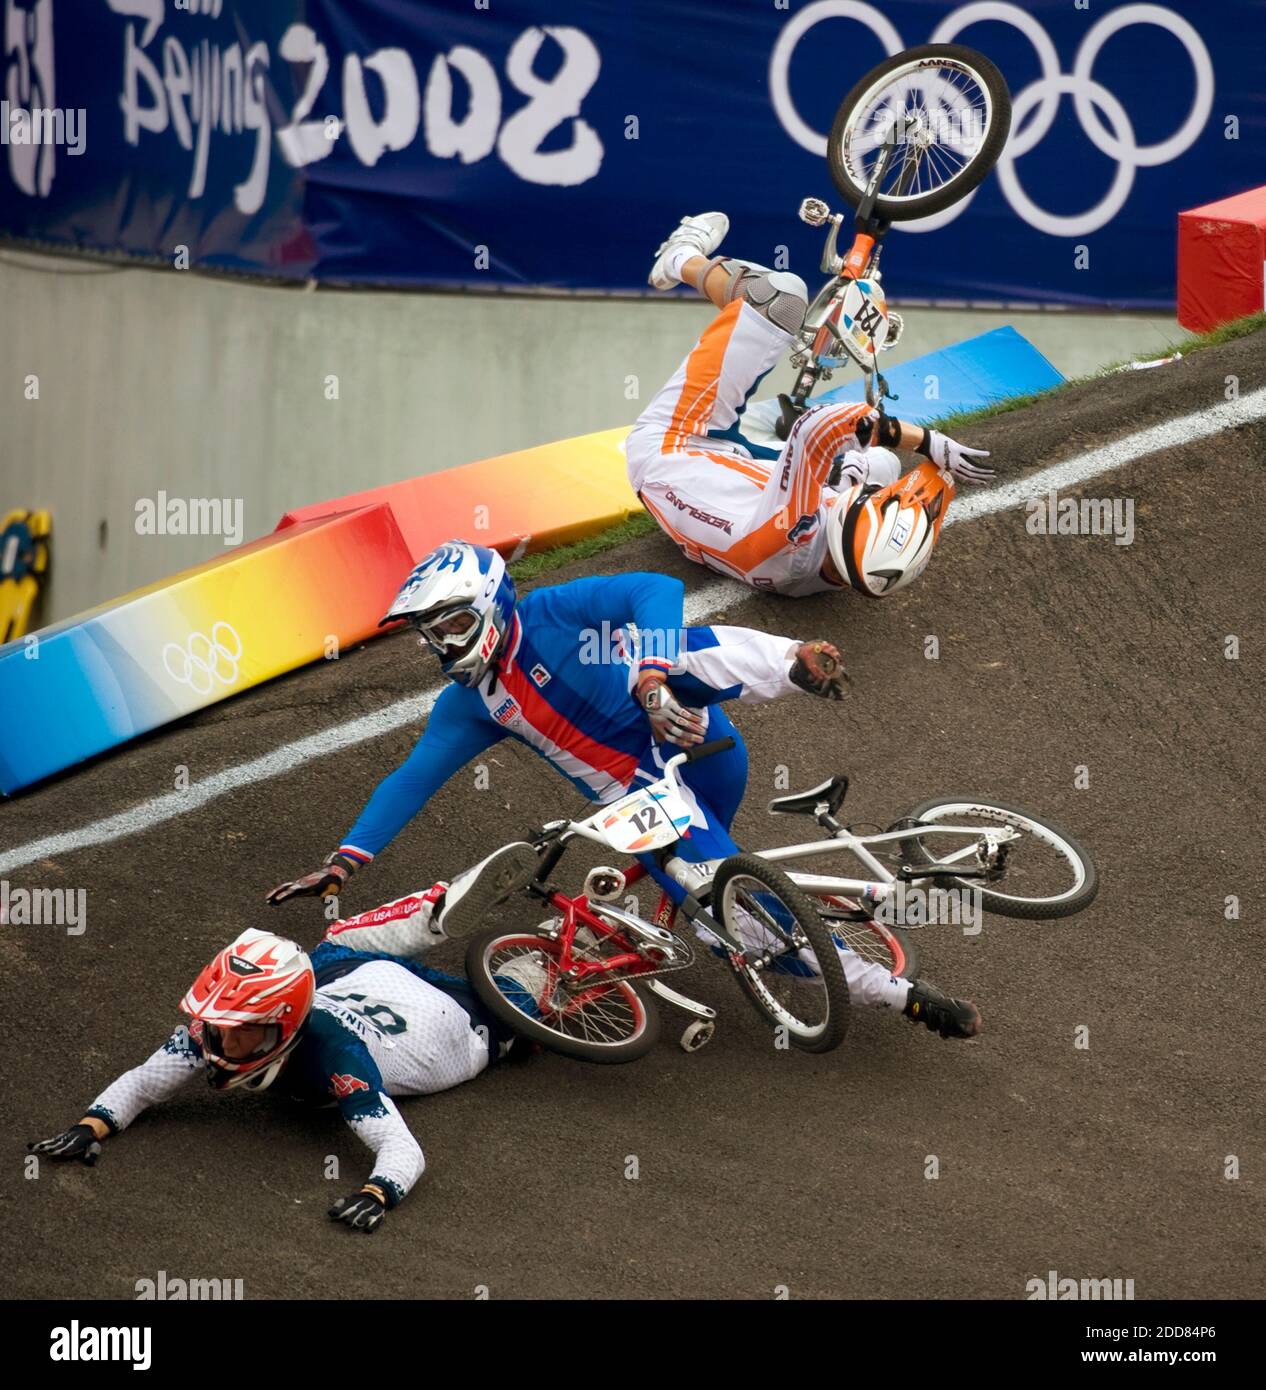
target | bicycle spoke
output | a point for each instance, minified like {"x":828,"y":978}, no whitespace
{"x":947,"y":107}
{"x":602,"y":1012}
{"x":774,"y":954}
{"x":1038,"y":865}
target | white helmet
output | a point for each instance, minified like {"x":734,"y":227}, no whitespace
{"x":460,"y":599}
{"x":881,"y":539}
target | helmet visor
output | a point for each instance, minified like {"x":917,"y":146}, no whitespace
{"x":448,"y":630}
{"x":229,"y":1045}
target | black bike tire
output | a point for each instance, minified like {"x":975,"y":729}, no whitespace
{"x":816,"y":933}
{"x":972,"y":174}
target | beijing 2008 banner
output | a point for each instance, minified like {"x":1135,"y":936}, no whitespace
{"x":523,"y":143}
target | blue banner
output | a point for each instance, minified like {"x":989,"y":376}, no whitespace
{"x":517,"y":144}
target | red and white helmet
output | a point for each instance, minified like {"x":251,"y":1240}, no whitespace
{"x":260,"y":980}
{"x":881,"y":539}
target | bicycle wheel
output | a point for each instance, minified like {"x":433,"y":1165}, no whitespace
{"x":782,"y":952}
{"x":950,"y":110}
{"x":517,"y":976}
{"x":1045,"y":874}
{"x":886,"y":945}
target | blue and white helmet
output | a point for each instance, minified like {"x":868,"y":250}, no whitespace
{"x":460,"y":599}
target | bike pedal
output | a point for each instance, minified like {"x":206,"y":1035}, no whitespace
{"x":603,"y":884}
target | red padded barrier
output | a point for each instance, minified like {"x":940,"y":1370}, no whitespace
{"x":1222,"y":261}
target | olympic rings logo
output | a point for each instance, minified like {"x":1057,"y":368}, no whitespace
{"x":204,"y":660}
{"x":1116,"y":138}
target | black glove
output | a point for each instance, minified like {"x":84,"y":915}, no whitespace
{"x":819,"y":669}
{"x":362,"y":1211}
{"x":328,"y":880}
{"x":79,"y":1141}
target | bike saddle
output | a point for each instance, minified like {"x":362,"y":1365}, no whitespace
{"x":831,"y":792}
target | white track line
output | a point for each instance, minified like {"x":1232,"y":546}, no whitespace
{"x":1073,"y":472}
{"x":699,"y":605}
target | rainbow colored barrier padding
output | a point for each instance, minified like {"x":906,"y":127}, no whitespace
{"x":330,"y":570}
{"x":88,"y":684}
{"x":530,"y":500}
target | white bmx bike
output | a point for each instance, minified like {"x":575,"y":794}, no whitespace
{"x":578,"y":982}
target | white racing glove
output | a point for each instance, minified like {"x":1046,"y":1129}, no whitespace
{"x":671,"y":721}
{"x":948,"y":453}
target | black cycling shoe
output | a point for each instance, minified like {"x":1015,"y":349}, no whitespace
{"x":951,"y":1018}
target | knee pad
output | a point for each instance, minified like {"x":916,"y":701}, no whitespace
{"x":778,"y":295}
{"x":883,"y":467}
{"x":862,"y":466}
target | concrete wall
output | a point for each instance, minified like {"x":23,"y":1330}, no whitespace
{"x":164,"y":380}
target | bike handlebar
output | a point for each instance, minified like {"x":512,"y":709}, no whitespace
{"x":706,"y":750}
{"x":558,"y":830}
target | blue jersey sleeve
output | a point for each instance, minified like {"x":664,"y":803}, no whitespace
{"x":732,"y":663}
{"x":653,"y":603}
{"x":458,"y":730}
{"x":340,"y":1063}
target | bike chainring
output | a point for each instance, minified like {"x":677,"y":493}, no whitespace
{"x":995,"y":865}
{"x":684,"y":950}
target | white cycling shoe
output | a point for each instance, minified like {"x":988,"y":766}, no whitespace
{"x":530,"y":976}
{"x":702,"y":234}
{"x":472,"y":895}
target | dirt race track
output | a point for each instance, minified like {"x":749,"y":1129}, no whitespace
{"x":757,"y":1167}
